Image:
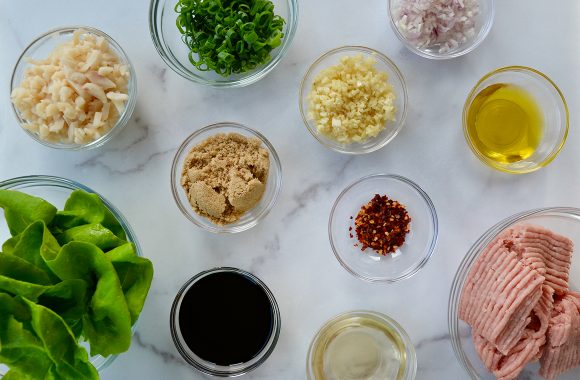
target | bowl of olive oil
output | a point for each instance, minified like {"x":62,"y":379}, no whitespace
{"x":516,"y":119}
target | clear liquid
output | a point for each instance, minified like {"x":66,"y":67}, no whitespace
{"x":359,"y":348}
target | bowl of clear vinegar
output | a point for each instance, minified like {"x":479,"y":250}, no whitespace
{"x":516,"y":120}
{"x":361,"y":345}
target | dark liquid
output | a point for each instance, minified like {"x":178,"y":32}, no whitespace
{"x":226,"y":318}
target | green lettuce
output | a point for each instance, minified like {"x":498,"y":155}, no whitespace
{"x":64,"y":276}
{"x":135,"y":274}
{"x":21,"y":209}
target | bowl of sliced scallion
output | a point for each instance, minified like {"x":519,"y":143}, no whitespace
{"x":222,"y":43}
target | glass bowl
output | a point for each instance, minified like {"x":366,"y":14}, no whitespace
{"x":40,"y":48}
{"x":410,"y":257}
{"x":483,"y":24}
{"x":565,"y":221}
{"x":252,"y":216}
{"x":551,"y":103}
{"x":56,"y":190}
{"x":168,"y":42}
{"x":396,"y":79}
{"x":343,"y":323}
{"x":210,"y":368}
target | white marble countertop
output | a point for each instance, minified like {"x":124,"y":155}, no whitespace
{"x":290,"y":250}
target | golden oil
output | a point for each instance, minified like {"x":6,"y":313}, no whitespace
{"x":504,"y":123}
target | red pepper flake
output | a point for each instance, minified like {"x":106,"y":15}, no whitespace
{"x":382,"y":224}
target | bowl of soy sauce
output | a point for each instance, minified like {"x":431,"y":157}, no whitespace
{"x":225,"y":322}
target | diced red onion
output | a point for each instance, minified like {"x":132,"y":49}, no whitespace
{"x":443,"y":23}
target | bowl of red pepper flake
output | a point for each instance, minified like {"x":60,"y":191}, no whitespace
{"x":383,"y":228}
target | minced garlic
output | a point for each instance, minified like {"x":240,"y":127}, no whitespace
{"x":76,"y":94}
{"x":351,"y":101}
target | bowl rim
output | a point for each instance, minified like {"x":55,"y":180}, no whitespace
{"x":30,"y":181}
{"x":560,"y":96}
{"x":410,"y":369}
{"x":481,"y":36}
{"x":222,"y":371}
{"x":302,"y":93}
{"x":176,"y":168}
{"x":409,"y":272}
{"x":466,"y":264}
{"x":246,"y":80}
{"x":124,"y":118}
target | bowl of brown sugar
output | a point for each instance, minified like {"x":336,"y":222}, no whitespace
{"x":226,"y":177}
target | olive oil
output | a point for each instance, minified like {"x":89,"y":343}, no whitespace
{"x":504,"y":123}
{"x":358,"y":348}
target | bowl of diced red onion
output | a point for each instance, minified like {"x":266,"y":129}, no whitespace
{"x":441,"y":29}
{"x":518,"y":286}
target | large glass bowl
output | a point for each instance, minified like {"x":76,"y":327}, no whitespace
{"x":40,"y":48}
{"x":168,"y":42}
{"x":383,"y":64}
{"x":56,"y":190}
{"x":551,"y":103}
{"x":483,"y":24}
{"x":564,"y":221}
{"x":251,"y":217}
{"x":410,"y":257}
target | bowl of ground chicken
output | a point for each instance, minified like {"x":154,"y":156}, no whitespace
{"x":226,"y":177}
{"x":353,"y":100}
{"x":514,"y":308}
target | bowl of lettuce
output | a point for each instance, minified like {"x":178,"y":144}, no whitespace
{"x":72,"y":280}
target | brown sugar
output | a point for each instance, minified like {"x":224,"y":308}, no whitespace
{"x":225,"y":175}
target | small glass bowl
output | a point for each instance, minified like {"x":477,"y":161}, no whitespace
{"x":343,"y":322}
{"x":169,"y":44}
{"x":419,"y":244}
{"x":396,"y":79}
{"x":40,"y":48}
{"x":210,"y":368}
{"x":251,"y":217}
{"x":562,"y":220}
{"x":56,"y":190}
{"x":483,"y":24}
{"x":552,"y":104}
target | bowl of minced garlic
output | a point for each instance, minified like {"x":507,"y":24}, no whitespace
{"x":353,"y":100}
{"x":226,"y":177}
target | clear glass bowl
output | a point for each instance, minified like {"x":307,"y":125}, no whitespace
{"x":40,"y":48}
{"x":212,"y":368}
{"x":396,"y":79}
{"x":483,"y":24}
{"x":369,"y":319}
{"x":419,"y":243}
{"x":56,"y":190}
{"x":565,"y":221}
{"x":168,"y":42}
{"x":252,"y":216}
{"x":552,"y":104}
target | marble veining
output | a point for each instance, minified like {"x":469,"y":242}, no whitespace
{"x":289,"y":249}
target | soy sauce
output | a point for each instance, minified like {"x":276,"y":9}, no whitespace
{"x":226,"y":318}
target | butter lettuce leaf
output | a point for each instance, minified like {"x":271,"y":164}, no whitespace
{"x":107,"y":324}
{"x":85,"y":208}
{"x":92,"y":233}
{"x":37,"y":343}
{"x":135,"y":275}
{"x":36,"y":245}
{"x":20,"y":210}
